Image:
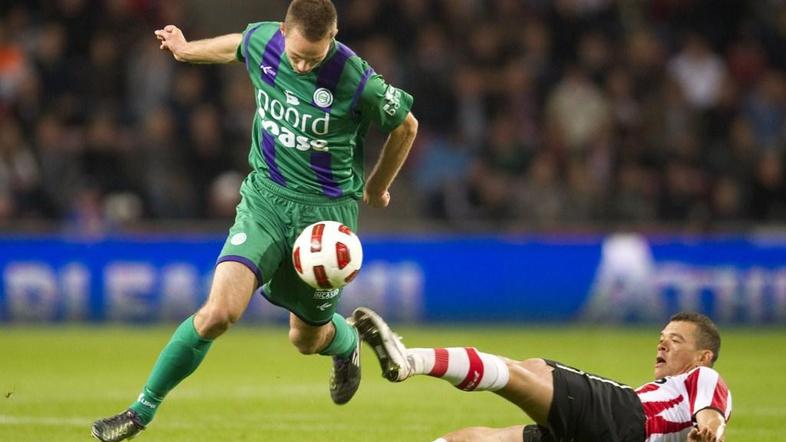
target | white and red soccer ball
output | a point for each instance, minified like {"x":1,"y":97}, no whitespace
{"x":327,"y":255}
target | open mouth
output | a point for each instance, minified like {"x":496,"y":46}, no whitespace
{"x":659,"y":361}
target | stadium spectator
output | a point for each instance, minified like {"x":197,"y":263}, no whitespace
{"x":688,"y":401}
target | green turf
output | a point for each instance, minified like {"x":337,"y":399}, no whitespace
{"x":254,"y":386}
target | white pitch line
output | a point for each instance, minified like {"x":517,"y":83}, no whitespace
{"x":38,"y":420}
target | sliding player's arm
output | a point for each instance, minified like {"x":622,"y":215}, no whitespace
{"x":392,"y":157}
{"x":710,"y":427}
{"x":222,"y":49}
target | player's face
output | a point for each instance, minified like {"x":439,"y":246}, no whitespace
{"x":677,"y":351}
{"x":305,"y":55}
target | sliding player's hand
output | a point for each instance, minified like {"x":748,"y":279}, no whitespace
{"x":704,"y":435}
{"x":172,"y":39}
{"x":376,"y":199}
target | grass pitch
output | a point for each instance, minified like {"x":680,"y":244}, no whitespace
{"x":254,"y":386}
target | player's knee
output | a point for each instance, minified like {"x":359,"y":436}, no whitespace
{"x":526,"y":372}
{"x":212,"y":321}
{"x":306,"y":343}
{"x":531,"y":365}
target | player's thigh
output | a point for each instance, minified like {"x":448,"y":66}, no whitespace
{"x":231,"y":290}
{"x":531,"y":387}
{"x":486,"y":434}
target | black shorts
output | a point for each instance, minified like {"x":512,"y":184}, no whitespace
{"x":589,"y":408}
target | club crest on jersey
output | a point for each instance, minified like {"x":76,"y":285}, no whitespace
{"x":323,"y":97}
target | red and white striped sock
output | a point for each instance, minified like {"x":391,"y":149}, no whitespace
{"x":465,"y":368}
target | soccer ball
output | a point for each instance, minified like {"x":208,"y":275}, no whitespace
{"x":327,"y":255}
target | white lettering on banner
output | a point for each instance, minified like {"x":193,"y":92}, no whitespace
{"x":75,"y":284}
{"x":31,"y":291}
{"x":624,"y":282}
{"x":630,"y":285}
{"x":180,"y":289}
{"x":281,"y":113}
{"x":129,"y":289}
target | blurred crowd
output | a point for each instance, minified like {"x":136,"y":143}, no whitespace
{"x":533,"y":113}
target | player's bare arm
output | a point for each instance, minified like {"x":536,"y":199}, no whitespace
{"x":710,"y":427}
{"x":392,"y":157}
{"x":219,"y":49}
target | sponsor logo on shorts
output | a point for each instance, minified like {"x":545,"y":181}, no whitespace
{"x":238,"y":238}
{"x":325,"y":306}
{"x":326,"y":294}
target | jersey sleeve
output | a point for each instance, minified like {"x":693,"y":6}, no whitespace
{"x":383,"y":104}
{"x":706,"y":389}
{"x":242,"y":48}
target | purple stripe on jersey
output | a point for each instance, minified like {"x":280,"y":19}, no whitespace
{"x":269,"y":153}
{"x":320,"y":164}
{"x":271,"y":59}
{"x":330,"y":72}
{"x":359,"y":91}
{"x":246,"y":40}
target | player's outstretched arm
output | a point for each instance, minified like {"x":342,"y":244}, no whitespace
{"x":710,"y":427}
{"x":220,"y":49}
{"x":392,"y":157}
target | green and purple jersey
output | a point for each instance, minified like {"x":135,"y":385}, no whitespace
{"x":309,"y":129}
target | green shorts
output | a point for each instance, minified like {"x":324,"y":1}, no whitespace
{"x":269,"y":219}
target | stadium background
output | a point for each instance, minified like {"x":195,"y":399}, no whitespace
{"x":584,"y":169}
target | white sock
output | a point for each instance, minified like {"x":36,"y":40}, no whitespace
{"x":465,"y":368}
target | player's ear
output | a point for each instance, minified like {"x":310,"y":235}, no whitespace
{"x":283,"y":28}
{"x":705,"y":358}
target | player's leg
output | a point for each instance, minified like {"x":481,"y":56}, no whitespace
{"x":233,"y":285}
{"x":528,"y":384}
{"x":531,"y":387}
{"x":248,"y":253}
{"x":315,"y":327}
{"x":230,"y":293}
{"x":308,"y":339}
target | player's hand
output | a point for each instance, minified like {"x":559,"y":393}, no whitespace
{"x":376,"y":199}
{"x":172,"y":39}
{"x":704,"y":435}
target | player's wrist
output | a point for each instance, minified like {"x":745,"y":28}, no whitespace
{"x":376,"y":190}
{"x":184,"y":52}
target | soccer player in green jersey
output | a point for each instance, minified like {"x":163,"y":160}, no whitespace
{"x":315,"y":99}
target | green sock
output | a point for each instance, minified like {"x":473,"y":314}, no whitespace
{"x":344,"y":341}
{"x":179,"y":358}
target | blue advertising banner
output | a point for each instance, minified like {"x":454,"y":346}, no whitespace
{"x":612,"y":279}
